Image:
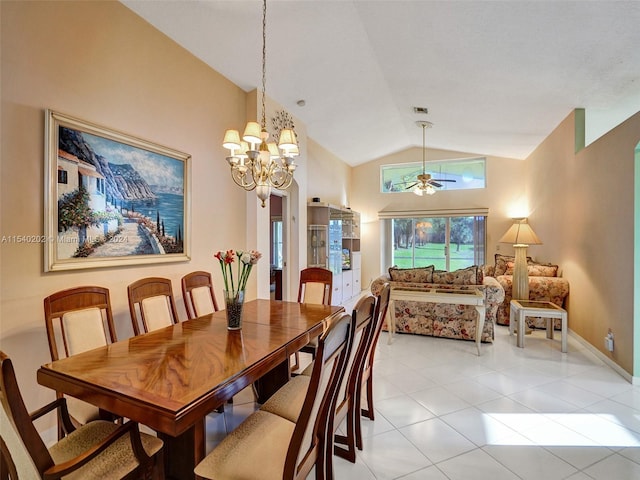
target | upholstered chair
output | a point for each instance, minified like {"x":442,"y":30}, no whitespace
{"x":316,"y":285}
{"x":98,"y":450}
{"x":287,"y":402}
{"x":267,"y":446}
{"x":366,"y":381}
{"x":197,"y":292}
{"x":151,"y":304}
{"x":81,"y":319}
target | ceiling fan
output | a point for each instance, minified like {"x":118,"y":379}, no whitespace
{"x":425,"y":185}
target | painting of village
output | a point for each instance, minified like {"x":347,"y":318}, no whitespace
{"x":116,"y":200}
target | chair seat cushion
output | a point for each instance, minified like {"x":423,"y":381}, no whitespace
{"x":308,"y":369}
{"x":115,"y":462}
{"x":82,"y":412}
{"x":256,"y":449}
{"x":287,"y":401}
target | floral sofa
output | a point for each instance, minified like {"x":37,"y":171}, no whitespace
{"x":544,"y":285}
{"x":442,"y":320}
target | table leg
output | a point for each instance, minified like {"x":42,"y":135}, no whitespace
{"x":564,"y":332}
{"x":272,"y":381}
{"x":512,"y":320}
{"x":521,"y":322}
{"x":479,"y":325}
{"x":550,"y":325}
{"x":184,"y":452}
{"x":391,"y":325}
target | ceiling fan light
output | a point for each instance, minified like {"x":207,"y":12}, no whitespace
{"x":418,"y":191}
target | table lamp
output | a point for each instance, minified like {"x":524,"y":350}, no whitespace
{"x":520,"y":235}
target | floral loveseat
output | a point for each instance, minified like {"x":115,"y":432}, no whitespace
{"x":442,"y":320}
{"x":544,"y":285}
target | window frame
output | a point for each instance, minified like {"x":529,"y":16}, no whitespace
{"x":435,"y":168}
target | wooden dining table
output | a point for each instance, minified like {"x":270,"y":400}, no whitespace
{"x":170,"y":379}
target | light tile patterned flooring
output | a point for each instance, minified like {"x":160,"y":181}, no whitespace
{"x":442,"y":413}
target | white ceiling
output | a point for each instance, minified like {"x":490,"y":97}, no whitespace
{"x":496,"y":76}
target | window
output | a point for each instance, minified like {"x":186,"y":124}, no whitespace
{"x":62,"y":177}
{"x":448,"y":243}
{"x":466,"y":174}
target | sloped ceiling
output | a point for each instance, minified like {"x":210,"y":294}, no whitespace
{"x":496,"y":76}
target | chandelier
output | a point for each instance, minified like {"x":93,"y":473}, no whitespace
{"x":255,"y":163}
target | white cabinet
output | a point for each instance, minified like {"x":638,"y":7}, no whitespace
{"x":333,"y":242}
{"x":347,"y":283}
{"x":336,"y":295}
{"x":356,"y":265}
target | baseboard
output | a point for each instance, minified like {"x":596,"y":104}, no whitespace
{"x":605,"y":359}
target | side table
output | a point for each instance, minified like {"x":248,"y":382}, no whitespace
{"x":520,"y":309}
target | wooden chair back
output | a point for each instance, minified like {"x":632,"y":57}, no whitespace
{"x":151,"y":304}
{"x":366,"y":379}
{"x":198,"y":295}
{"x":363,"y":315}
{"x":316,"y":286}
{"x":312,"y":437}
{"x":82,"y":317}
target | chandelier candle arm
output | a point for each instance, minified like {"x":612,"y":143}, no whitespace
{"x":255,"y":164}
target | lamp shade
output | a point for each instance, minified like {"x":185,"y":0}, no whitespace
{"x":231,"y":140}
{"x":520,"y":234}
{"x":287,"y":139}
{"x":252,"y":133}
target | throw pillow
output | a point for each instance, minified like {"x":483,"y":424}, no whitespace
{"x":501,"y":263}
{"x":536,"y":269}
{"x":412,"y":275}
{"x":465,"y":276}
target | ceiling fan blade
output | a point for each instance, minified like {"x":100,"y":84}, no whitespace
{"x":432,"y":182}
{"x":442,"y":180}
{"x":411,"y":186}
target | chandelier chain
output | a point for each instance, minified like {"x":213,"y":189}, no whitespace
{"x":264,"y":61}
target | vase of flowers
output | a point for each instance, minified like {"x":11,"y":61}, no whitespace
{"x":234,"y":287}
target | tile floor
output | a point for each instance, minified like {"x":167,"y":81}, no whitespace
{"x":442,"y":413}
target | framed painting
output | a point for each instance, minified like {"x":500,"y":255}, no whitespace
{"x":112,"y":199}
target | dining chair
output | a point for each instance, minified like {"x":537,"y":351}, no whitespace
{"x":82,"y":319}
{"x":366,"y":381}
{"x":97,"y":450}
{"x":287,"y":402}
{"x":316,"y":286}
{"x":198,"y":295}
{"x":266,"y":446}
{"x":152,"y":298}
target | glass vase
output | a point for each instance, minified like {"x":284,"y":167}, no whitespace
{"x":234,"y":302}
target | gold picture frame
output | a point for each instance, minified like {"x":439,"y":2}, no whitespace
{"x":112,"y":199}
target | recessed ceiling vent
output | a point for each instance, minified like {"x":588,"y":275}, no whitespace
{"x":423,"y":110}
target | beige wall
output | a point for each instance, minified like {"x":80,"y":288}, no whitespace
{"x":100,"y":62}
{"x":505,"y":188}
{"x":329,"y":178}
{"x":583,"y":212}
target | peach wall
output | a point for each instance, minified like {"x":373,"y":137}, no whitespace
{"x":505,"y":187}
{"x":99,"y":61}
{"x":583,"y":212}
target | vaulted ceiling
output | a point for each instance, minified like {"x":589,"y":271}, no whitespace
{"x":496,"y":76}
